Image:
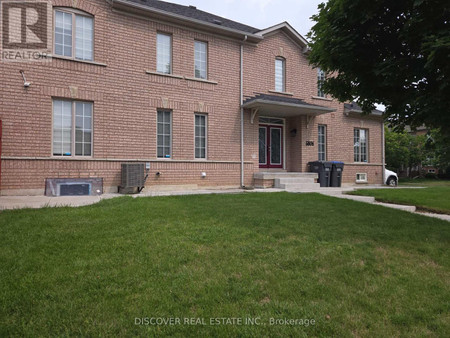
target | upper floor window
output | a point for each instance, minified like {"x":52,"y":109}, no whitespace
{"x":201,"y":59}
{"x":280,"y":75}
{"x":72,"y":128}
{"x":74,"y":35}
{"x":164,"y":53}
{"x":322,"y":142}
{"x":360,"y":140}
{"x":320,"y":80}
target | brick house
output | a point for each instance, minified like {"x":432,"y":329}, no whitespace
{"x":204,"y":100}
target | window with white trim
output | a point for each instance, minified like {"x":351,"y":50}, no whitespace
{"x":72,"y":120}
{"x":361,"y":178}
{"x":201,"y":59}
{"x":200,"y":136}
{"x":164,"y":53}
{"x":74,"y":34}
{"x":164,"y":134}
{"x":322,"y":142}
{"x":320,"y":81}
{"x":360,"y":145}
{"x":280,"y":74}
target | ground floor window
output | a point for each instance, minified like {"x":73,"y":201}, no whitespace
{"x":200,"y":136}
{"x":164,"y":134}
{"x":361,"y":178}
{"x":360,"y":139}
{"x":322,"y":142}
{"x":72,"y":128}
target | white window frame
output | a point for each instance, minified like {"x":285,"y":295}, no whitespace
{"x":319,"y":143}
{"x":73,"y":128}
{"x":358,"y":155}
{"x":170,"y":53}
{"x":361,"y":178}
{"x":203,"y":43}
{"x":164,"y":134}
{"x":320,"y":80}
{"x":74,"y":13}
{"x":283,"y":74}
{"x":205,"y":116}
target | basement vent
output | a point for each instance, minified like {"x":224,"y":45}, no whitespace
{"x":73,"y":187}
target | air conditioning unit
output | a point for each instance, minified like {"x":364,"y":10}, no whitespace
{"x":133,"y":178}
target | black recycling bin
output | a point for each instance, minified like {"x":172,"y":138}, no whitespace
{"x":336,"y":174}
{"x":324,"y":171}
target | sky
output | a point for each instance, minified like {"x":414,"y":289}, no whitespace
{"x":261,"y":13}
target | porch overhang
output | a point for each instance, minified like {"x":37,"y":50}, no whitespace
{"x":276,"y":106}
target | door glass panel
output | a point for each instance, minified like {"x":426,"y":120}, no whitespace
{"x":275,"y":146}
{"x":262,"y":145}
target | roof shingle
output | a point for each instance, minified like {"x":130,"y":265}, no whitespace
{"x":194,"y":13}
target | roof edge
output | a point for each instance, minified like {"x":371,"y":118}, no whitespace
{"x":289,"y":30}
{"x":349,"y":108}
{"x":161,"y":14}
{"x":288,"y":104}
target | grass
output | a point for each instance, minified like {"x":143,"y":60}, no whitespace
{"x":356,"y":269}
{"x":424,"y":182}
{"x":432,"y":198}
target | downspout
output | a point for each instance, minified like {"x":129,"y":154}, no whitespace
{"x":383,"y":152}
{"x":242,"y":111}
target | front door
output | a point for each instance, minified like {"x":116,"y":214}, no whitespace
{"x":270,"y":146}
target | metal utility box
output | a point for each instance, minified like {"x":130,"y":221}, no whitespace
{"x":133,"y":178}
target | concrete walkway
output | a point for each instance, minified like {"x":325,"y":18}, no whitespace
{"x":35,"y":202}
{"x":371,"y":200}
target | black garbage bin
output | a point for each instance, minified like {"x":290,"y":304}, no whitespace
{"x":336,"y":174}
{"x":324,"y":171}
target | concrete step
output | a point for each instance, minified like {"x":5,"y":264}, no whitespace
{"x":335,"y":191}
{"x":300,"y":186}
{"x":366,"y":199}
{"x":297,"y":180}
{"x":409,"y":208}
{"x":273,"y":175}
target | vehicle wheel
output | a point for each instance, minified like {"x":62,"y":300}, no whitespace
{"x":392,"y":182}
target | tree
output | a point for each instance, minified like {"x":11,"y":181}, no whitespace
{"x":438,"y":148}
{"x":394,"y":52}
{"x":404,"y":150}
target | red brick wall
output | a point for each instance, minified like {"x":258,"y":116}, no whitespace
{"x":126,"y":99}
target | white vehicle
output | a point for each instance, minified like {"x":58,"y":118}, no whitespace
{"x":391,"y":178}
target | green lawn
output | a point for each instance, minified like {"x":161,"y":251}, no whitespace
{"x":432,"y":198}
{"x":424,"y":182}
{"x":356,"y":269}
